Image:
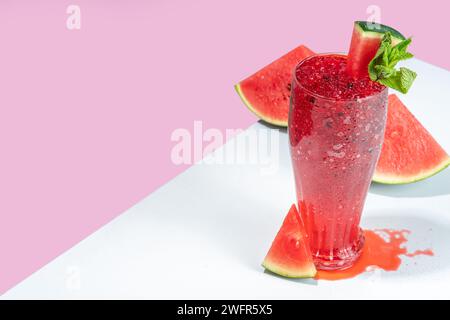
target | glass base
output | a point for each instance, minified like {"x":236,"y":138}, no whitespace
{"x":342,"y":260}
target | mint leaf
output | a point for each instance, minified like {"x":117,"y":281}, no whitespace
{"x":407,"y":78}
{"x":400,"y":80}
{"x":382,"y":67}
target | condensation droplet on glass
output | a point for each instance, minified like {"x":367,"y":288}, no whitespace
{"x":347,"y":120}
{"x":336,"y":154}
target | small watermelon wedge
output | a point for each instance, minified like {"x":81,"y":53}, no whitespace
{"x":290,"y":255}
{"x":409,"y":152}
{"x":266,"y":93}
{"x":365,"y":42}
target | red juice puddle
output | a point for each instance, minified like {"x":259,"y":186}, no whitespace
{"x":378,"y":253}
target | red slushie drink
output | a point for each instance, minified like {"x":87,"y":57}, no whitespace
{"x":336,"y":128}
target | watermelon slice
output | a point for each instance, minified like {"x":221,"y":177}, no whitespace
{"x":266,"y":93}
{"x":365,"y":42}
{"x":409,"y":152}
{"x":290,"y":255}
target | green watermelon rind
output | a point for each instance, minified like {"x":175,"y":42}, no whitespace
{"x":249,"y":106}
{"x":365,"y":30}
{"x":293,"y":274}
{"x":395,"y":180}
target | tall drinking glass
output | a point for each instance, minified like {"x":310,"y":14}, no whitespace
{"x":336,"y":128}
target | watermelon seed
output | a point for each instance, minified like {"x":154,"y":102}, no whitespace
{"x":288,"y":87}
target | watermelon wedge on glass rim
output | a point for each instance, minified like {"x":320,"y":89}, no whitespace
{"x":364,"y":45}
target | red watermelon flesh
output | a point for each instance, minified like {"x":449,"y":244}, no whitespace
{"x":290,"y":255}
{"x":409,"y":152}
{"x":266,"y":93}
{"x":362,"y":50}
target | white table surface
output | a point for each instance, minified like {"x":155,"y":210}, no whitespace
{"x":204,"y":234}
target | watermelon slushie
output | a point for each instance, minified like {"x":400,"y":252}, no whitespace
{"x":336,"y":128}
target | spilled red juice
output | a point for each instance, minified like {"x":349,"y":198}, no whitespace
{"x":336,"y":127}
{"x":377,"y":252}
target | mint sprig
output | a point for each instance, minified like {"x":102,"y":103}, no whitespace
{"x":382,"y":67}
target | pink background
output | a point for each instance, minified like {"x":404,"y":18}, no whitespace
{"x":86,"y":116}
